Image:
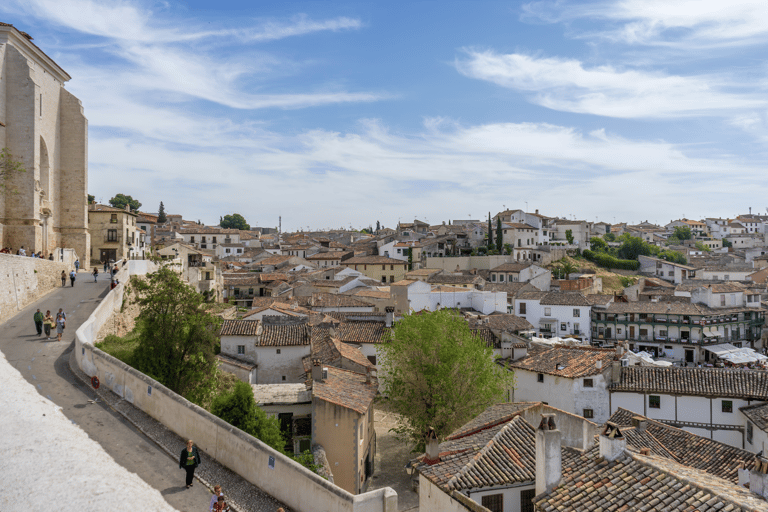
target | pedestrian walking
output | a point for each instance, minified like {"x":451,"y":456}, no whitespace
{"x":115,"y":270}
{"x":95,"y":274}
{"x":38,"y":318}
{"x":215,"y":498}
{"x":221,"y":505}
{"x":106,"y":266}
{"x":48,"y":323}
{"x":72,"y":277}
{"x":77,"y":265}
{"x":63,"y":279}
{"x":61,"y":323}
{"x":189,"y":459}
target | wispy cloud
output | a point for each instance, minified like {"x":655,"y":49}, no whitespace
{"x":567,"y":85}
{"x":679,"y":23}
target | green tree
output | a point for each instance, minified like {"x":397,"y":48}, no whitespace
{"x":239,"y":409}
{"x":569,"y":236}
{"x":410,"y":258}
{"x":162,"y":218}
{"x":176,"y":336}
{"x":438,"y":374}
{"x":91,"y":199}
{"x":632,"y":247}
{"x":499,"y":238}
{"x":234,"y":221}
{"x":490,"y":230}
{"x":9,"y":166}
{"x":727,"y":243}
{"x":507,"y":248}
{"x":700,"y":246}
{"x":610,"y":237}
{"x":683,"y":233}
{"x":597,"y":244}
{"x":122,"y":200}
{"x":378,"y":226}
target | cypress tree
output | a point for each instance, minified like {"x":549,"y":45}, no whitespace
{"x":161,"y":217}
{"x":498,"y":234}
{"x":490,"y":230}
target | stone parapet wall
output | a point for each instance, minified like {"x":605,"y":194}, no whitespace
{"x":23,"y":280}
{"x":275,"y":473}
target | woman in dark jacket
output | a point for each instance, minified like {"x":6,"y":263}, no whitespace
{"x":189,"y":460}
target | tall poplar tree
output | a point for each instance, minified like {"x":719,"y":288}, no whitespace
{"x":498,"y":234}
{"x":490,"y":230}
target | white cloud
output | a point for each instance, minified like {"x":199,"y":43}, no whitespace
{"x":679,"y":23}
{"x":565,"y":84}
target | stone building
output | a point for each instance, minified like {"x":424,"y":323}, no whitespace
{"x":114,"y":233}
{"x":44,"y":128}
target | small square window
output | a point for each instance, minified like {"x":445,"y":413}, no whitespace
{"x":277,"y":351}
{"x":589,"y":383}
{"x":547,"y":311}
{"x":750,"y":432}
{"x":241,"y":349}
{"x":562,"y":327}
{"x":283,"y":377}
{"x":727,"y":405}
{"x":540,"y":377}
{"x":654,"y":402}
{"x":576,"y":313}
{"x":493,"y":502}
{"x":372,"y":359}
{"x":589,"y":413}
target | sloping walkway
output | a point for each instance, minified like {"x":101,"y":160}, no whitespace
{"x":45,"y":364}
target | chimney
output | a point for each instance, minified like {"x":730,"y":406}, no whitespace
{"x":368,"y":375}
{"x":612,"y":442}
{"x":619,"y":350}
{"x":743,"y":473}
{"x":549,"y":465}
{"x":599,"y":364}
{"x":537,"y":211}
{"x":616,"y":372}
{"x":640,"y":423}
{"x":433,"y":448}
{"x":587,"y":435}
{"x":390,"y":311}
{"x":318,"y":372}
{"x":758,"y":477}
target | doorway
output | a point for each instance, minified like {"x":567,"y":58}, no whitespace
{"x":109,"y":255}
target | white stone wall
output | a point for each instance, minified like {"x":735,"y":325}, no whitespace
{"x":23,"y":280}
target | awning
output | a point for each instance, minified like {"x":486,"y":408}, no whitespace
{"x":721,"y":349}
{"x":720,"y":332}
{"x":706,"y":332}
{"x":548,"y":321}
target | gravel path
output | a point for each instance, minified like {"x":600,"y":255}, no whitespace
{"x":241,"y":495}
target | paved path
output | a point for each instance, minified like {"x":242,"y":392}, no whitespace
{"x":45,"y":364}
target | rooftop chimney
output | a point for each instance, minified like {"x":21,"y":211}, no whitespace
{"x":549,"y":465}
{"x":433,"y":448}
{"x":612,"y":442}
{"x":318,"y":372}
{"x":367,"y":374}
{"x":616,"y":371}
{"x":390,"y":316}
{"x":537,"y":211}
{"x":640,"y":423}
{"x":758,"y":477}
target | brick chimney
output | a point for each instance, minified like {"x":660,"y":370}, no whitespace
{"x":319,"y":373}
{"x":758,"y":476}
{"x":640,"y":423}
{"x":432,"y":455}
{"x":615,"y":371}
{"x":612,"y":442}
{"x":549,"y":465}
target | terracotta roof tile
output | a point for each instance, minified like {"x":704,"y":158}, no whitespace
{"x":712,"y":382}
{"x":570,"y":362}
{"x":347,"y":389}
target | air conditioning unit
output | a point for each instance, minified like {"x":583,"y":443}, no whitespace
{"x":625,"y":363}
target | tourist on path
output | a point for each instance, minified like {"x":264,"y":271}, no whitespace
{"x":215,"y":498}
{"x":95,"y":274}
{"x":48,"y":323}
{"x":61,"y":323}
{"x":189,"y":459}
{"x":63,"y":279}
{"x":106,"y":266}
{"x":221,"y":505}
{"x":115,"y":270}
{"x":72,"y":277}
{"x":38,"y":318}
{"x":77,"y":265}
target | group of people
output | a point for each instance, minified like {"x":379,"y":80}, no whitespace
{"x":23,"y":252}
{"x":47,"y":323}
{"x":110,"y":272}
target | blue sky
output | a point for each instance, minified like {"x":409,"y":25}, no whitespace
{"x":333,"y":114}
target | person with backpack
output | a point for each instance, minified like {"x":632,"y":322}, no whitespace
{"x":72,"y":277}
{"x":63,"y":279}
{"x":95,"y":274}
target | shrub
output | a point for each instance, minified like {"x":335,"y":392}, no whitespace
{"x":608,"y":261}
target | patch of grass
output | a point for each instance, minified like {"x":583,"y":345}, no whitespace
{"x":120,"y":348}
{"x":218,"y":307}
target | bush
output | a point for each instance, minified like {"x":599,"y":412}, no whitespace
{"x":608,"y":261}
{"x":239,"y":409}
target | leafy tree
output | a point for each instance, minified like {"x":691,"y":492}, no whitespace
{"x":609,"y":237}
{"x":438,"y":374}
{"x":239,"y":409}
{"x":673,"y":256}
{"x":9,"y":166}
{"x":673,"y":240}
{"x":410,"y":258}
{"x":499,"y":238}
{"x":507,"y":248}
{"x":569,"y":236}
{"x":627,"y":281}
{"x":700,"y":246}
{"x":307,"y":460}
{"x":490,"y":230}
{"x":683,"y":233}
{"x":91,"y":199}
{"x":122,"y":200}
{"x":597,"y":244}
{"x":727,"y":243}
{"x":176,"y":337}
{"x":234,"y":221}
{"x":162,"y":218}
{"x":633,"y":247}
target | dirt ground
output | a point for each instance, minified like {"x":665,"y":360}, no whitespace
{"x":391,"y":457}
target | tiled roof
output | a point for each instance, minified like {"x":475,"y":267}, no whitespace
{"x":329,"y":255}
{"x":275,"y":259}
{"x":285,"y":335}
{"x":485,"y":334}
{"x":242,"y":363}
{"x":280,"y":308}
{"x":334,"y":300}
{"x":673,"y":308}
{"x":455,"y":279}
{"x":510,"y":267}
{"x":516,"y":225}
{"x":347,"y":389}
{"x":712,"y":382}
{"x":643,"y":482}
{"x":373,"y":260}
{"x":564,"y":299}
{"x":531,"y":295}
{"x":239,"y":328}
{"x":102,"y":208}
{"x":510,"y":288}
{"x":595,"y":298}
{"x":373,"y":294}
{"x":507,"y":322}
{"x":698,"y":452}
{"x":757,"y":414}
{"x":490,"y":417}
{"x":363,"y":332}
{"x":267,"y":277}
{"x":570,"y":362}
